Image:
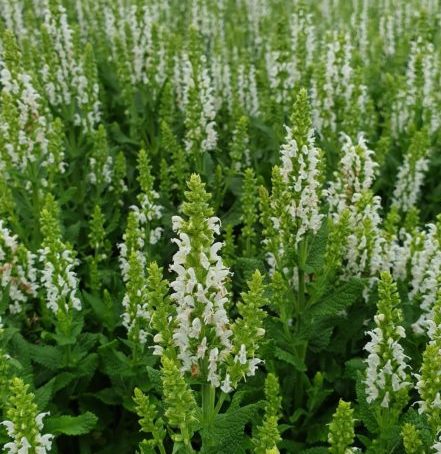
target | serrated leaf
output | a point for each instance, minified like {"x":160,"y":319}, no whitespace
{"x":154,"y":378}
{"x":47,"y":355}
{"x":227,"y":433}
{"x":45,"y":393}
{"x":88,"y":365}
{"x":318,"y":450}
{"x":108,"y":396}
{"x":317,"y":250}
{"x":104,"y":314}
{"x":338,"y":301}
{"x":71,"y":425}
{"x":114,"y":362}
{"x":289,"y":358}
{"x":71,"y":339}
{"x":353,"y":366}
{"x":363,"y":410}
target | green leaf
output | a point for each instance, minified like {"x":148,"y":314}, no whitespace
{"x":104,"y":313}
{"x":318,"y":450}
{"x":289,"y":358}
{"x":114,"y":362}
{"x":154,"y":378}
{"x":44,"y":394}
{"x":47,"y":355}
{"x":227,"y":433}
{"x":363,"y":411}
{"x":108,"y":396}
{"x":316,"y":254}
{"x":353,"y":367}
{"x":337,"y":302}
{"x":71,"y":425}
{"x":75,"y":330}
{"x":88,"y":365}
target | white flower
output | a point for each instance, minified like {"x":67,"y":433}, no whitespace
{"x":226,"y":384}
{"x":10,"y":427}
{"x":59,"y":279}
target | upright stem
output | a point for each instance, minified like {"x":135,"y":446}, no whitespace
{"x":186,"y":437}
{"x":301,"y":273}
{"x":208,"y":398}
{"x":301,"y":349}
{"x":161,"y":447}
{"x":36,"y":209}
{"x":219,"y":403}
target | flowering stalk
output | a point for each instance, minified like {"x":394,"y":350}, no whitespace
{"x":18,"y":275}
{"x":24,"y":423}
{"x":291,"y":216}
{"x":136,"y":315}
{"x":149,"y":210}
{"x":59,"y":279}
{"x":411,"y":439}
{"x":387,"y":381}
{"x":354,"y":208}
{"x":249,"y":216}
{"x":428,"y":385}
{"x":267,"y":437}
{"x":149,"y":421}
{"x":411,"y":173}
{"x":97,"y":238}
{"x":341,"y":429}
{"x":425,"y":273}
{"x":180,"y":404}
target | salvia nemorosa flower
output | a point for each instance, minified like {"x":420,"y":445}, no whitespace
{"x":18,"y":274}
{"x":209,"y":344}
{"x":341,"y":429}
{"x":24,"y":424}
{"x":387,"y":379}
{"x":58,"y":277}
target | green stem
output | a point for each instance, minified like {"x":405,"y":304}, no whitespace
{"x":301,"y":291}
{"x":219,"y":403}
{"x":208,"y":399}
{"x":36,"y":209}
{"x":302,"y":251}
{"x":298,"y":399}
{"x":186,"y":438}
{"x":199,"y":162}
{"x":161,"y":447}
{"x":300,"y":307}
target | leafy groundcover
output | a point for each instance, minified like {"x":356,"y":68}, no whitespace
{"x":219,"y":226}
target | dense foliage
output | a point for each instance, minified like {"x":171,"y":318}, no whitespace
{"x":219,"y":226}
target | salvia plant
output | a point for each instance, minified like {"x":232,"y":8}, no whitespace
{"x":220,"y":226}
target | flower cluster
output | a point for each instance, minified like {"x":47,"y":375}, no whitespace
{"x":411,"y":439}
{"x":24,"y":423}
{"x":18,"y":275}
{"x":133,"y":243}
{"x":292,"y":211}
{"x":68,"y":74}
{"x":149,"y":211}
{"x":201,"y":135}
{"x":208,"y":344}
{"x":29,"y":137}
{"x":351,"y":199}
{"x":425,"y":271}
{"x":428,"y":381}
{"x":387,"y":380}
{"x":410,"y":177}
{"x":58,"y":277}
{"x":268,"y":434}
{"x":341,"y":429}
{"x":132,"y":263}
{"x":202,"y":335}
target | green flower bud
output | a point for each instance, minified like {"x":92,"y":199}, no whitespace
{"x":341,"y":429}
